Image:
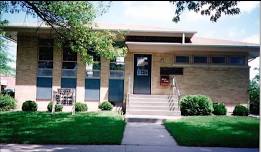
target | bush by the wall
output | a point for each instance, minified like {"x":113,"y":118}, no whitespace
{"x":106,"y":106}
{"x":240,"y":111}
{"x":7,"y":103}
{"x":196,"y":105}
{"x":219,"y":109}
{"x":57,"y":108}
{"x":29,"y":106}
{"x":80,"y":107}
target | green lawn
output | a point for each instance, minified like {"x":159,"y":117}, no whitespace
{"x":61,"y":128}
{"x":220,"y":131}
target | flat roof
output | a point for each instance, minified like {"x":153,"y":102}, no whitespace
{"x":130,"y":30}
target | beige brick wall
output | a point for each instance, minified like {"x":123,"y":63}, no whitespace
{"x":104,"y":82}
{"x":222,"y":83}
{"x":80,"y":86}
{"x":26,"y":69}
{"x":57,"y":67}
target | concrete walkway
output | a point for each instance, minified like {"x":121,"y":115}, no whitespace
{"x":147,"y":134}
{"x":138,"y":137}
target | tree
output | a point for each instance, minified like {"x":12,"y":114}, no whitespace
{"x":4,"y":58}
{"x":254,"y":94}
{"x":214,"y":9}
{"x":73,"y":23}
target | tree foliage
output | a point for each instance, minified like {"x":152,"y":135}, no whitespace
{"x":254,"y":94}
{"x":73,"y":24}
{"x":214,"y":9}
{"x":5,"y":68}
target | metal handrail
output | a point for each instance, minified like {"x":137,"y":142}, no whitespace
{"x":172,"y":90}
{"x":128,"y":93}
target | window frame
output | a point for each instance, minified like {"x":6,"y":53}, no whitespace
{"x":193,"y":59}
{"x":49,"y":44}
{"x":225,"y":59}
{"x":175,"y":57}
{"x":240,"y":56}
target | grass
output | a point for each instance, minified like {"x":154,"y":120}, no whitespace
{"x":218,"y":131}
{"x":61,"y":128}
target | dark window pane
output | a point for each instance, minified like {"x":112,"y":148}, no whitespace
{"x":92,"y":89}
{"x":96,"y":66}
{"x":171,"y":71}
{"x":44,"y":88}
{"x":218,"y":59}
{"x":45,"y":64}
{"x":45,"y":53}
{"x":114,"y":66}
{"x":68,"y":83}
{"x":182,"y":59}
{"x":116,"y":88}
{"x":200,"y":59}
{"x":236,"y":60}
{"x":46,"y":42}
{"x":68,"y":55}
{"x":69,"y":65}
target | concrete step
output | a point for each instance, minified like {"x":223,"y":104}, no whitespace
{"x":152,"y":99}
{"x":141,"y":103}
{"x":148,"y":96}
{"x":153,"y":112}
{"x":131,"y":107}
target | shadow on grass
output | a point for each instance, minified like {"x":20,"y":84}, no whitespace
{"x":61,"y":128}
{"x":218,"y":131}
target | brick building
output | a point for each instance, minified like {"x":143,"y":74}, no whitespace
{"x":217,"y":68}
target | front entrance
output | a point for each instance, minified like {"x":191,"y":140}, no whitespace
{"x":142,"y":74}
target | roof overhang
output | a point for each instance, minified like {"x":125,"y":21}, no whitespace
{"x":128,"y":32}
{"x":252,"y":50}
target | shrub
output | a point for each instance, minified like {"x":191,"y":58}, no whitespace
{"x":57,"y":108}
{"x":240,"y":111}
{"x":196,"y":105}
{"x":106,"y":106}
{"x":80,"y":107}
{"x":29,"y":106}
{"x":219,"y":109}
{"x":7,"y":103}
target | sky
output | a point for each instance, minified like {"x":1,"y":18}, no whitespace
{"x":243,"y":27}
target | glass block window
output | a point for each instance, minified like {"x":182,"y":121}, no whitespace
{"x":236,"y":60}
{"x":218,"y":60}
{"x":182,"y":59}
{"x":200,"y":59}
{"x":45,"y":69}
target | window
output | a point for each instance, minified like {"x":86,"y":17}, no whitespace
{"x":44,"y":88}
{"x":182,"y":59}
{"x":200,"y":59}
{"x":116,"y":81}
{"x":92,"y":78}
{"x":218,"y":60}
{"x":45,"y":67}
{"x":236,"y":60}
{"x":69,"y":68}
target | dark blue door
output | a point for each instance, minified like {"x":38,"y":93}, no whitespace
{"x":142,"y":74}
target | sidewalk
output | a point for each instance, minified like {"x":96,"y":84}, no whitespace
{"x":138,"y":137}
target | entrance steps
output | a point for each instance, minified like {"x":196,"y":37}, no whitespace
{"x":151,"y":108}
